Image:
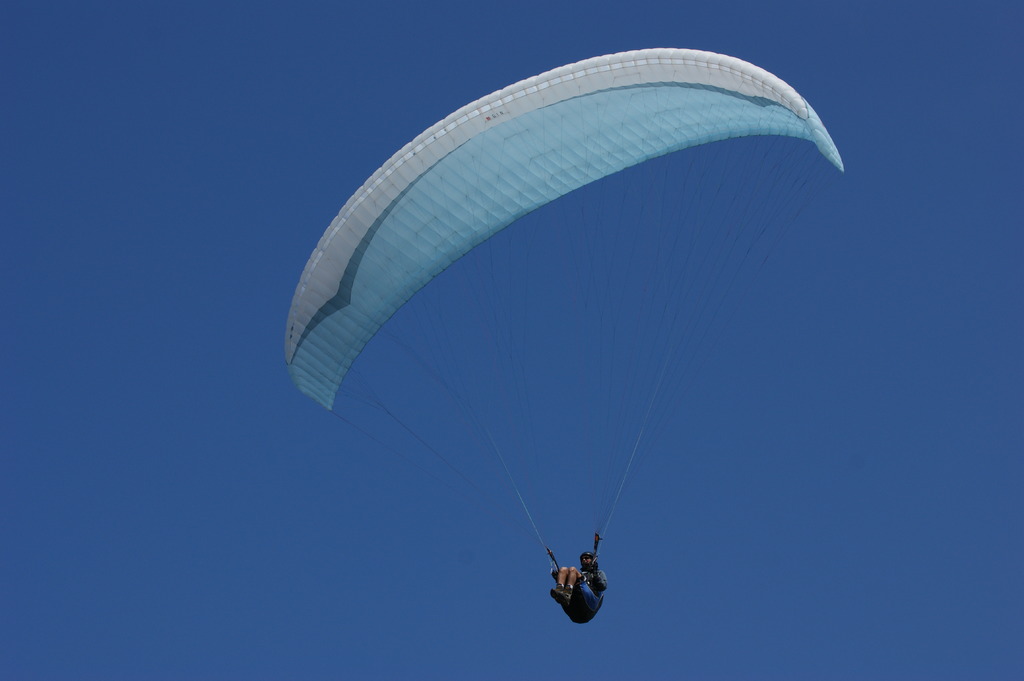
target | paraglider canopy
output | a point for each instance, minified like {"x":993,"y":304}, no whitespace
{"x":505,"y":155}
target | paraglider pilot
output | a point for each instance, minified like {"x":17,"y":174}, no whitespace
{"x":580,"y":591}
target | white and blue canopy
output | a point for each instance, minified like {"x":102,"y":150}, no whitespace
{"x":502,"y":156}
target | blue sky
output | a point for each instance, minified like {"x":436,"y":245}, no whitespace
{"x":849,"y":503}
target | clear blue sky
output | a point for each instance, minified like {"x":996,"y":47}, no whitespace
{"x":849,"y":504}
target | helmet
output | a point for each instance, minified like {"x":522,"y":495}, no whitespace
{"x":589,"y":554}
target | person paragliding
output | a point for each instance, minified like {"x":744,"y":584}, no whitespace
{"x":580,"y":591}
{"x":493,"y":161}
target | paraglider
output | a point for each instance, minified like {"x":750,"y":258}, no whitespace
{"x":580,"y":591}
{"x":503,"y":156}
